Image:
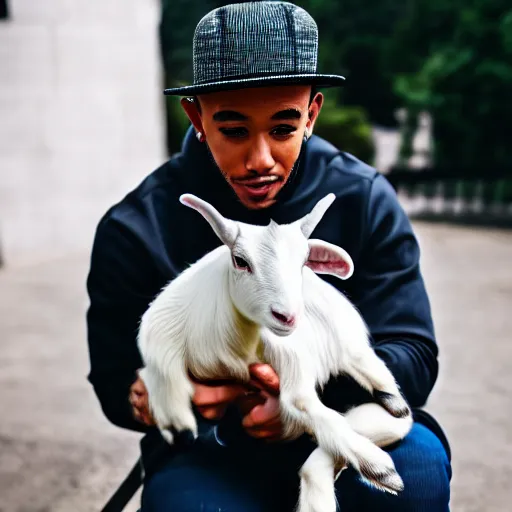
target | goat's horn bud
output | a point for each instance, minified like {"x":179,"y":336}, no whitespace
{"x":225,"y":229}
{"x":309,"y":222}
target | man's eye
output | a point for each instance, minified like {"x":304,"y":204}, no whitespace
{"x":241,"y":263}
{"x":283,"y":130}
{"x":236,"y":133}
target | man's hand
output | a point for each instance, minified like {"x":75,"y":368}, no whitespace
{"x":139,"y":400}
{"x":211,"y":400}
{"x":258,"y":402}
{"x":262,"y":417}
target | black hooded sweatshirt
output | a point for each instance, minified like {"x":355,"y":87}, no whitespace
{"x":149,"y":237}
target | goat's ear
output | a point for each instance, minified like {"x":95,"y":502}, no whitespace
{"x":309,"y":222}
{"x":225,"y":229}
{"x":326,"y":258}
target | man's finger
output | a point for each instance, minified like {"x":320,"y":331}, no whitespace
{"x":206,"y":396}
{"x":273,"y":429}
{"x":147,"y":419}
{"x":140,"y":409}
{"x":248,"y":401}
{"x":211,"y":382}
{"x":144,"y":415}
{"x":261,"y":414}
{"x":137,"y":400}
{"x":275,"y":426}
{"x":212,"y":413}
{"x":264,"y":434}
{"x":139,"y":387}
{"x":265,"y":375}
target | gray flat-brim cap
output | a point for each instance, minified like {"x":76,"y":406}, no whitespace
{"x":255,"y":44}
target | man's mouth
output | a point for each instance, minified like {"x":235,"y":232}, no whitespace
{"x":258,"y":189}
{"x":259,"y":182}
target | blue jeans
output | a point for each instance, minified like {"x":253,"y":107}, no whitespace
{"x":210,"y":478}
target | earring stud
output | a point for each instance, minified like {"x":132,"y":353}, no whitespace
{"x":199,"y":136}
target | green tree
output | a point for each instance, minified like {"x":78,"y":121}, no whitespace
{"x":461,"y":74}
{"x":355,"y":40}
{"x":176,"y":30}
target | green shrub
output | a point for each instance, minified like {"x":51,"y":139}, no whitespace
{"x":460,"y":72}
{"x":177,"y":124}
{"x":348,"y":129}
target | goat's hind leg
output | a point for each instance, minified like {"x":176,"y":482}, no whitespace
{"x":374,"y":422}
{"x":317,"y":476}
{"x":334,"y":434}
{"x":371,"y":373}
{"x":321,"y":469}
{"x":170,"y":402}
{"x":300,"y":404}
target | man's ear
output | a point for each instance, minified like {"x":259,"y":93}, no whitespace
{"x":194,"y":114}
{"x":314,"y":110}
{"x":326,"y":258}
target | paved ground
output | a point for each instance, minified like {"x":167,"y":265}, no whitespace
{"x":58,"y":453}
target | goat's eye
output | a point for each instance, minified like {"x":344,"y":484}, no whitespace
{"x":241,"y":263}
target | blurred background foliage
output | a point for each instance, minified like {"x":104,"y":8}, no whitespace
{"x":451,"y":58}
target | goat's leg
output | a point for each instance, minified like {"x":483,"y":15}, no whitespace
{"x":301,"y":405}
{"x":377,"y":424}
{"x":335,"y":435}
{"x":320,"y":471}
{"x":370,"y":372}
{"x":317,"y":476}
{"x":170,"y":400}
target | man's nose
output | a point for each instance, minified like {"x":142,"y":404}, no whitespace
{"x":260,"y":158}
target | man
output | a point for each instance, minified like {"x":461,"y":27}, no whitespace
{"x":251,"y":154}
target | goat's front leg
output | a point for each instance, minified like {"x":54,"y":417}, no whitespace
{"x":365,"y":366}
{"x":169,"y":397}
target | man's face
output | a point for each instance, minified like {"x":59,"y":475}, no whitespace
{"x":255,"y":136}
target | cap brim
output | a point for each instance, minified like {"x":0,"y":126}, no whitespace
{"x":245,"y":83}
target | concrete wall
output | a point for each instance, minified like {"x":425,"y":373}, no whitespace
{"x":81,"y":119}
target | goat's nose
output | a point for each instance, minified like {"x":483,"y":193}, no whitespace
{"x":283,"y":318}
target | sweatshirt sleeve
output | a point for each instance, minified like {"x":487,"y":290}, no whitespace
{"x":395,"y":303}
{"x":120,"y":286}
{"x":388,"y":289}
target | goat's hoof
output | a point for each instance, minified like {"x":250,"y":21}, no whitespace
{"x":167,"y":435}
{"x":387,"y":479}
{"x":184,"y":437}
{"x":394,"y":404}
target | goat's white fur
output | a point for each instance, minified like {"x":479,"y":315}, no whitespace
{"x":215,"y":319}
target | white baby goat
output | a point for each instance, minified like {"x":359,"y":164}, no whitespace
{"x":259,"y":294}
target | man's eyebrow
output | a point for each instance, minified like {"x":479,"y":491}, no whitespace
{"x":228,"y":115}
{"x":290,"y":113}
